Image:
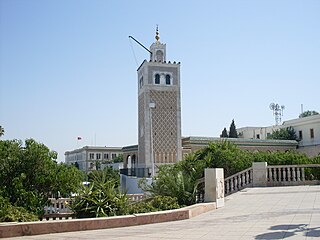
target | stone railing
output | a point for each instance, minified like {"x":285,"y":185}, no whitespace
{"x":136,"y":197}
{"x":262,"y":175}
{"x":60,"y":205}
{"x":283,"y":175}
{"x":238,"y":181}
{"x":58,"y":209}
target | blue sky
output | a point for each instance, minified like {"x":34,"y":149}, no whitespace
{"x":67,"y":68}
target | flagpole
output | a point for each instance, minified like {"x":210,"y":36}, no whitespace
{"x":78,"y":139}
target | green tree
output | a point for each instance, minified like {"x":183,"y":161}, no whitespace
{"x":1,"y":131}
{"x":308,"y":113}
{"x":224,"y":133}
{"x":284,"y":134}
{"x":233,"y":131}
{"x":29,"y":174}
{"x":118,"y":158}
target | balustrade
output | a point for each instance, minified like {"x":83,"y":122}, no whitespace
{"x":238,"y":181}
{"x":290,"y":174}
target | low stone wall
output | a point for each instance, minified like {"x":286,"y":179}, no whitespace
{"x":36,"y":228}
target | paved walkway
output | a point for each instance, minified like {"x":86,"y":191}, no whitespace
{"x":254,"y":213}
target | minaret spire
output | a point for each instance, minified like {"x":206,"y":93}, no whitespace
{"x":157,"y":34}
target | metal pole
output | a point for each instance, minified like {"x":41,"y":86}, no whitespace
{"x":151,"y":106}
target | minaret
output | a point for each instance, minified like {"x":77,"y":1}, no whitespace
{"x":159,"y":109}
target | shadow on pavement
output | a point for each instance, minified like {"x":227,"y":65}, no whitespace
{"x":289,"y":230}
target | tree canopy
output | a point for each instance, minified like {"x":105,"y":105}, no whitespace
{"x":224,"y":133}
{"x":29,"y":174}
{"x":308,"y":113}
{"x":233,"y":131}
{"x":284,"y":134}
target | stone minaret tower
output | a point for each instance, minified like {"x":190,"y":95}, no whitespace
{"x":159,"y":110}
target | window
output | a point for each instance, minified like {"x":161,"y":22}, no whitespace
{"x":91,"y":156}
{"x":105,"y":156}
{"x":113,"y":155}
{"x":268,"y":135}
{"x":98,"y":156}
{"x":157,"y":79}
{"x":141,"y":82}
{"x":300,"y":135}
{"x":311,"y":133}
{"x":168,"y":79}
{"x":258,"y":136}
{"x":159,"y":55}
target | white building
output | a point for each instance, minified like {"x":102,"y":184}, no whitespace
{"x":90,"y":158}
{"x":307,"y":130}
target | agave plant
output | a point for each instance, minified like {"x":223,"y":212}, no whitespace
{"x":100,"y":199}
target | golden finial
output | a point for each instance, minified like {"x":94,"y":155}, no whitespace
{"x":157,"y":34}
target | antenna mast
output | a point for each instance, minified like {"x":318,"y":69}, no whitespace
{"x":277,"y":112}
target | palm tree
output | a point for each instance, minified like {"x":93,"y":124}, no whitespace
{"x":1,"y":131}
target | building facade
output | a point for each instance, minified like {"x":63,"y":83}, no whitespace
{"x":307,"y":130}
{"x":90,"y":158}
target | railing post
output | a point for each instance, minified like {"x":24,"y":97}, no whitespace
{"x":303,"y":177}
{"x":259,"y":174}
{"x":214,"y":186}
{"x":294,"y":174}
{"x":298,"y":174}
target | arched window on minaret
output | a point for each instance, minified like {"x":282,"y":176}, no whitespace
{"x":157,"y":79}
{"x":168,"y":79}
{"x":159,"y":56}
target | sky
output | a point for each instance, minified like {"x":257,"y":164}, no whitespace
{"x":68,"y":68}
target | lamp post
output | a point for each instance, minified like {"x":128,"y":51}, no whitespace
{"x":152,"y":105}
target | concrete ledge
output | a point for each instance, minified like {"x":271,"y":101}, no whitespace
{"x":58,"y":226}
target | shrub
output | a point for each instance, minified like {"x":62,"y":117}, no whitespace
{"x":171,"y":181}
{"x":153,"y":204}
{"x":9,"y":213}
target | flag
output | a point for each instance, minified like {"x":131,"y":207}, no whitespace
{"x":79,"y":138}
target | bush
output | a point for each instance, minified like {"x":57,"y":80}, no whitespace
{"x":171,"y":181}
{"x":157,"y":203}
{"x":9,"y":213}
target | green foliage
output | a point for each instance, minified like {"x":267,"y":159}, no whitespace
{"x":284,"y":134}
{"x":224,"y":133}
{"x":233,"y":131}
{"x":223,"y":154}
{"x":118,"y":159}
{"x":29,"y":174}
{"x":108,"y":173}
{"x":173,"y":182}
{"x":9,"y":213}
{"x":308,"y":113}
{"x":282,"y":158}
{"x":101,"y":198}
{"x":156,"y":203}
